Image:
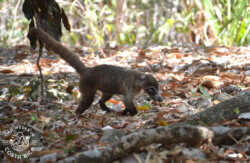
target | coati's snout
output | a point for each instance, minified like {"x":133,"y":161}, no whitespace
{"x":151,"y":87}
{"x":154,"y":93}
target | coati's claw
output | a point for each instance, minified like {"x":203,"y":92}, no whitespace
{"x":78,"y":111}
{"x":104,"y":107}
{"x":124,"y":112}
{"x":131,"y":112}
{"x":107,"y":110}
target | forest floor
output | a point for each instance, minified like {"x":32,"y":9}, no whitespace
{"x":191,"y":79}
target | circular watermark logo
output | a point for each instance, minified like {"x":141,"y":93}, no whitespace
{"x":19,"y":139}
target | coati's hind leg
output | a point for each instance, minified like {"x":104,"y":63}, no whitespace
{"x":85,"y":102}
{"x":128,"y":102}
{"x":105,"y":97}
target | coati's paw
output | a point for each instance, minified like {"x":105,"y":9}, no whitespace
{"x":131,"y":112}
{"x":78,"y":111}
{"x":124,"y":112}
{"x":108,"y":110}
{"x":104,"y":107}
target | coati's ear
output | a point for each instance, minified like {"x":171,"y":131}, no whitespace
{"x":142,"y":77}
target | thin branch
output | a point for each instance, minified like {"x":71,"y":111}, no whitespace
{"x":40,"y":71}
{"x":242,"y":19}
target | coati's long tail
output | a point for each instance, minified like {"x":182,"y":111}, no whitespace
{"x":67,"y":55}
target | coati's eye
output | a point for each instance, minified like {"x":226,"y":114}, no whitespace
{"x":151,"y":89}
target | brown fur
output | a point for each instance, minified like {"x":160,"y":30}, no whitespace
{"x":107,"y":78}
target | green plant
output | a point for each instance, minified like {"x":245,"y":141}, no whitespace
{"x":101,"y":23}
{"x":223,"y":22}
{"x":204,"y":92}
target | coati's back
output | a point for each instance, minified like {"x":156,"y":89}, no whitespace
{"x":112,"y":79}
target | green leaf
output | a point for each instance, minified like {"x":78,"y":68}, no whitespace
{"x":70,"y":137}
{"x":109,"y":27}
{"x":89,"y":36}
{"x":51,"y":135}
{"x":237,"y":111}
{"x":14,"y":91}
{"x":122,"y":37}
{"x":204,"y":92}
{"x":70,"y":150}
{"x":239,"y":86}
{"x":147,"y":104}
{"x":170,"y":22}
{"x":127,"y":39}
{"x":8,"y":120}
{"x":33,"y":118}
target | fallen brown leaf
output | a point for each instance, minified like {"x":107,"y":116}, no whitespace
{"x":6,"y":71}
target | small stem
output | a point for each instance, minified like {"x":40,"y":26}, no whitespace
{"x":40,"y":71}
{"x":241,"y":20}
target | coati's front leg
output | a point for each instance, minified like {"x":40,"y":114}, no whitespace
{"x":105,"y":97}
{"x":87,"y":97}
{"x":85,"y":102}
{"x":129,"y":104}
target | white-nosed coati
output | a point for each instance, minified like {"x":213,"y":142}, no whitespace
{"x":106,"y":78}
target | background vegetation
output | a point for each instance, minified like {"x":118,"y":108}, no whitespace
{"x":102,"y":23}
